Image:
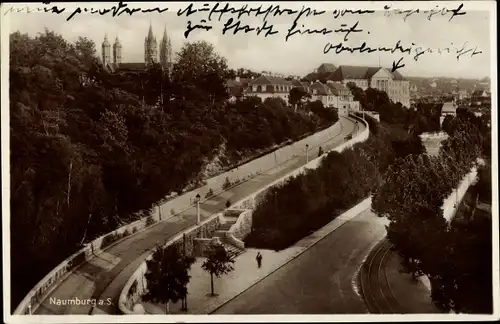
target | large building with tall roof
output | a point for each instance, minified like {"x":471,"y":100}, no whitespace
{"x":393,"y":83}
{"x":113,"y":60}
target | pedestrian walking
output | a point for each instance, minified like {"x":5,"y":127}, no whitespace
{"x":259,"y":259}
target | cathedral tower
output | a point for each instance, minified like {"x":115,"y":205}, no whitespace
{"x":165,"y":51}
{"x":117,"y":51}
{"x":150,"y":47}
{"x":106,"y":51}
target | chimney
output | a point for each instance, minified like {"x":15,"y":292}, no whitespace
{"x":237,"y":79}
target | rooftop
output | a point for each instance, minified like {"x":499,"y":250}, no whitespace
{"x":359,"y":72}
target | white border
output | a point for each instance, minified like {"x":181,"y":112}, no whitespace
{"x":5,"y":144}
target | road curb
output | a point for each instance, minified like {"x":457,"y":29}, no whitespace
{"x":341,"y":221}
{"x":362,"y":269}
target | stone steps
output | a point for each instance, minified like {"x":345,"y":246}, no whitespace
{"x":226,"y":226}
{"x":232,"y":250}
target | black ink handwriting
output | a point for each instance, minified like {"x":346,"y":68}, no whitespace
{"x":190,"y":28}
{"x":348,"y":31}
{"x":419,"y":51}
{"x":188,"y":11}
{"x":118,"y":10}
{"x":274,"y":10}
{"x":307,"y":12}
{"x":463,"y":51}
{"x":342,"y":13}
{"x":396,"y":66}
{"x":339,"y":48}
{"x":431,"y":13}
{"x":236,"y":27}
{"x":292,"y":31}
{"x":29,"y":9}
{"x":456,"y":12}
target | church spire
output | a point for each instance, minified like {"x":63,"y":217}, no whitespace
{"x":150,"y":33}
{"x":150,"y":47}
{"x":117,"y":51}
{"x":106,"y":50}
{"x":165,"y":50}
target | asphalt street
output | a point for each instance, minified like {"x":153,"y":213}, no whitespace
{"x":319,"y":281}
{"x":103,"y":277}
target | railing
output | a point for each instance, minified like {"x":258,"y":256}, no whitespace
{"x":36,"y":295}
{"x":139,"y":273}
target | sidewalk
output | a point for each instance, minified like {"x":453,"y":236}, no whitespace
{"x":245,"y":273}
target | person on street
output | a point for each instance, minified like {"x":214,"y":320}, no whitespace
{"x":259,"y":259}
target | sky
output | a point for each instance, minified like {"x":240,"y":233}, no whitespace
{"x":300,"y":54}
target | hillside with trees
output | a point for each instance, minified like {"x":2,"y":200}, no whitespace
{"x":93,"y":150}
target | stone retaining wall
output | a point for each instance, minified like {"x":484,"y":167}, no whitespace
{"x":127,"y":299}
{"x":167,"y":210}
{"x":136,"y":286}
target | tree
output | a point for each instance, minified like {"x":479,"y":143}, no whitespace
{"x":85,"y":49}
{"x":93,"y":150}
{"x":200,"y":72}
{"x":167,"y":276}
{"x":463,"y":283}
{"x":218,"y":263}
{"x":296,"y":95}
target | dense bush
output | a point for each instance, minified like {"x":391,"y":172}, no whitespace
{"x":308,"y":201}
{"x":91,"y":150}
{"x":411,"y":197}
{"x":425,"y":118}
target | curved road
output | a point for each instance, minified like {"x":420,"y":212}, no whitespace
{"x":374,"y":284}
{"x":103,"y":277}
{"x":319,"y":281}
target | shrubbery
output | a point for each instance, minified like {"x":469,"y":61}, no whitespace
{"x":456,"y":258}
{"x":90,"y":150}
{"x":425,"y":118}
{"x":309,"y":201}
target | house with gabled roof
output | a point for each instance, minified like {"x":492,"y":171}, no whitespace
{"x":334,"y":95}
{"x":481,"y":98}
{"x":393,"y":83}
{"x":268,"y":86}
{"x":326,"y":68}
{"x":304,"y":86}
{"x":236,"y":87}
{"x":344,"y":100}
{"x":319,"y":91}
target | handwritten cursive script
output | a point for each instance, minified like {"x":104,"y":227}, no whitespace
{"x":202,"y":16}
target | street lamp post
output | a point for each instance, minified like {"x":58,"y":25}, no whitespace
{"x":198,"y":209}
{"x":307,"y":153}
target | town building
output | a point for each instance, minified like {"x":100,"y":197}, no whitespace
{"x":343,"y":98}
{"x":269,"y":86}
{"x":334,"y":95}
{"x":481,"y":98}
{"x":326,"y":68}
{"x":304,"y":86}
{"x":113,"y":61}
{"x":393,"y":83}
{"x":448,"y":108}
{"x":236,"y":87}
